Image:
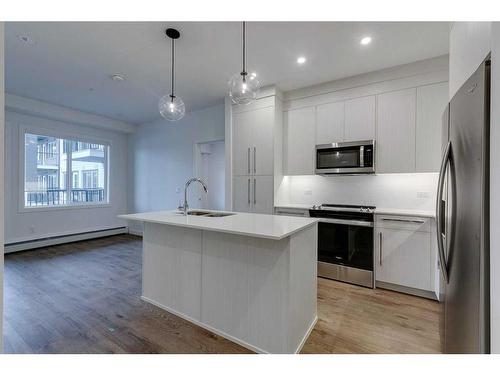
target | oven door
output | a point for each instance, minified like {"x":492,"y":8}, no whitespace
{"x":345,"y":242}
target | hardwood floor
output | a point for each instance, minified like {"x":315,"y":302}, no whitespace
{"x":84,"y":298}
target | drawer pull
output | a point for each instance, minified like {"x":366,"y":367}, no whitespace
{"x":405,"y":220}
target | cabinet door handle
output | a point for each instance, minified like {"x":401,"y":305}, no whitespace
{"x":404,"y":220}
{"x":248,"y":160}
{"x":254,"y":191}
{"x":254,"y":159}
{"x":248,"y":191}
{"x":380,"y":248}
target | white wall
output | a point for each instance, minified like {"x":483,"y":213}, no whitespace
{"x":470,"y":43}
{"x":1,"y":180}
{"x":400,"y":191}
{"x":494,"y":189}
{"x":41,"y":223}
{"x":161,"y":155}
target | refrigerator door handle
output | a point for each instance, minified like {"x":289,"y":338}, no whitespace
{"x":442,"y":174}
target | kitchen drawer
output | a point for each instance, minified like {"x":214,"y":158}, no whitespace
{"x":291,"y":212}
{"x":412,"y":223}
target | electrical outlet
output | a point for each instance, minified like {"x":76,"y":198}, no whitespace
{"x":423,"y":194}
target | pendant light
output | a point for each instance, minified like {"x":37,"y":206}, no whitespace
{"x":243,"y":88}
{"x":172,"y":107}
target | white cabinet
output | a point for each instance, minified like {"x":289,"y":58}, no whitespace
{"x":404,"y":256}
{"x":253,"y":194}
{"x":396,"y":132}
{"x":253,"y":142}
{"x":256,"y":137}
{"x":241,"y":143}
{"x":262,"y":139}
{"x":299,"y":141}
{"x":242,"y":194}
{"x":359,"y":119}
{"x":262,"y":194}
{"x":330,"y":123}
{"x":431,"y":103}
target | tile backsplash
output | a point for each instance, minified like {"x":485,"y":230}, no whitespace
{"x":396,"y":190}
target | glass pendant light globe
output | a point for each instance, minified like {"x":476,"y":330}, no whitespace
{"x":172,"y":108}
{"x":243,"y":88}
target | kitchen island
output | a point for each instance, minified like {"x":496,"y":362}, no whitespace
{"x":250,"y":278}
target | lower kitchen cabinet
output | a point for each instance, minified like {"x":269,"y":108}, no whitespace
{"x":404,"y":256}
{"x":253,"y":194}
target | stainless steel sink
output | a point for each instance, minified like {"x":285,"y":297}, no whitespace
{"x":207,"y":213}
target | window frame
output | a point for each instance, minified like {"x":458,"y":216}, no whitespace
{"x":66,"y":136}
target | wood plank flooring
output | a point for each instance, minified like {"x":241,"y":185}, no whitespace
{"x":84,"y":298}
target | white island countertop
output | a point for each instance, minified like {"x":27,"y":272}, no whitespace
{"x":247,"y":224}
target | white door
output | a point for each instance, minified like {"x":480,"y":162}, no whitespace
{"x":431,"y":103}
{"x":396,"y":132}
{"x":241,"y":143}
{"x":262,"y":194}
{"x":360,"y":119}
{"x":262,"y":144}
{"x":403,"y":257}
{"x":242,"y":193}
{"x":330,"y":123}
{"x":299,"y":138}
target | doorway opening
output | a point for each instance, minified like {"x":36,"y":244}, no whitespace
{"x":210,"y":166}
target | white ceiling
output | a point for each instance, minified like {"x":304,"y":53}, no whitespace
{"x":71,"y":62}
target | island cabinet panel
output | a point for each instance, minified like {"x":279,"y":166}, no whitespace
{"x":225,"y":283}
{"x":258,"y":292}
{"x":172,"y":258}
{"x":303,"y":285}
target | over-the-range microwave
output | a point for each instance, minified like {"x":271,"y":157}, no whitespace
{"x":346,"y":158}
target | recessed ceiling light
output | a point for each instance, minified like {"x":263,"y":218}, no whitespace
{"x":117,"y":77}
{"x":301,"y":60}
{"x":366,"y":40}
{"x":26,"y":39}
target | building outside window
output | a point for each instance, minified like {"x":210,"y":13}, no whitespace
{"x":52,"y":164}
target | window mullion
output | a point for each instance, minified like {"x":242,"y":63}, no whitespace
{"x":69,"y":173}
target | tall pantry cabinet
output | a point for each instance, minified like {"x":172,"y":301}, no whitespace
{"x":256,"y":153}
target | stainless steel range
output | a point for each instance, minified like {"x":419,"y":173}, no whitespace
{"x":345,"y":242}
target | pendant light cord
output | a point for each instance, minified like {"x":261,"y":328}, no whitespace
{"x":172,"y":95}
{"x":244,"y":47}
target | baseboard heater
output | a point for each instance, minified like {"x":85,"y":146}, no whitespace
{"x":57,"y":240}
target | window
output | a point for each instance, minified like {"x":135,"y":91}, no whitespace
{"x":64,"y":172}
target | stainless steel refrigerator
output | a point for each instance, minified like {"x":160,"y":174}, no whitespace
{"x":463,"y":218}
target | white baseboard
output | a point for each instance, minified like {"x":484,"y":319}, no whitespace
{"x":51,"y":241}
{"x":306,"y":336}
{"x":135,"y":232}
{"x":407,"y":290}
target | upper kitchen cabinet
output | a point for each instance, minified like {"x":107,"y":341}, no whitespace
{"x":299,"y":141}
{"x":242,"y":123}
{"x":431,"y":103}
{"x":330,"y":123}
{"x":359,"y":119}
{"x":396,"y":132}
